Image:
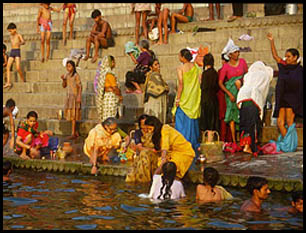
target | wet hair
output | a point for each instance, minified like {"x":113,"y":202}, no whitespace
{"x":154,"y":121}
{"x":223,"y":57}
{"x":11,"y":26}
{"x":73,"y":65}
{"x":95,"y":14}
{"x":109,"y":121}
{"x":211,"y":177}
{"x":32,"y":114}
{"x":296,"y":196}
{"x":255,"y":182}
{"x":7,"y":166}
{"x":10,"y":103}
{"x":208,"y":60}
{"x":4,"y":46}
{"x":152,"y":62}
{"x":186,"y":54}
{"x":169,"y":172}
{"x":294,"y":52}
{"x":143,"y":116}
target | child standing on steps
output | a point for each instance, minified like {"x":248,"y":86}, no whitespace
{"x":69,"y":13}
{"x":44,"y":26}
{"x":16,"y":41}
{"x":74,"y":96}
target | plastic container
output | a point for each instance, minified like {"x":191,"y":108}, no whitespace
{"x":291,"y":9}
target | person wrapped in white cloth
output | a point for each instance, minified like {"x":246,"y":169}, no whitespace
{"x":251,"y":99}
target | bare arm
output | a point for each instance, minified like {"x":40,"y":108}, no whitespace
{"x":57,"y":9}
{"x":5,"y":60}
{"x":104,"y":29}
{"x":38,"y":17}
{"x":94,"y":31}
{"x":180,"y":85}
{"x":163,"y":160}
{"x":133,"y":58}
{"x":183,"y":9}
{"x":22,"y":42}
{"x":21,"y":144}
{"x":64,"y":83}
{"x":273,"y":49}
{"x":223,"y":88}
{"x":79,"y":86}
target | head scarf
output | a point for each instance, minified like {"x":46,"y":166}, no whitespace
{"x":256,"y":85}
{"x":229,"y":48}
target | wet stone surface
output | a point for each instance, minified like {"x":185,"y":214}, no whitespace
{"x":287,"y":166}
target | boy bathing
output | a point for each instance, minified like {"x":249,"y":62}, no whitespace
{"x":259,"y":189}
{"x":7,"y":112}
{"x":16,"y":41}
{"x":100,"y":35}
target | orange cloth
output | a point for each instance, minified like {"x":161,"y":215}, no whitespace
{"x":110,"y":81}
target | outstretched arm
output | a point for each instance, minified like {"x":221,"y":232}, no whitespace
{"x":274,"y":53}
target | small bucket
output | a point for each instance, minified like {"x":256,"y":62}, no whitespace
{"x":291,"y":9}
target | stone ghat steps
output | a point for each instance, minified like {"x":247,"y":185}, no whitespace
{"x":226,"y":179}
{"x":118,"y":15}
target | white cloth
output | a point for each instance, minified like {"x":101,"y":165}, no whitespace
{"x":177,"y":188}
{"x":229,"y":48}
{"x":194,"y":52}
{"x":256,"y":85}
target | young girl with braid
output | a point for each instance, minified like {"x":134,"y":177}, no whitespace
{"x":165,"y":186}
{"x":209,"y":191}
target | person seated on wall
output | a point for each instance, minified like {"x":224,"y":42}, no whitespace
{"x":100,"y":35}
{"x":185,"y":15}
{"x":29,"y":140}
{"x":101,"y":139}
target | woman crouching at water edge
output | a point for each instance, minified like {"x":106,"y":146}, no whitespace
{"x":172,"y":145}
{"x":100,"y":141}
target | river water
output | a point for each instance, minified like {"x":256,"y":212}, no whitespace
{"x":42,"y":200}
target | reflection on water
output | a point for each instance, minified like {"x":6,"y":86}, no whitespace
{"x":62,"y":201}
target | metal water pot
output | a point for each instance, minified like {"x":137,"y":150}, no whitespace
{"x":291,"y":9}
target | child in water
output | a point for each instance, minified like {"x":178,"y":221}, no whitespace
{"x":209,"y":191}
{"x":166,"y":186}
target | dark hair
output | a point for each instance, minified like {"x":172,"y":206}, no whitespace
{"x":169,"y":172}
{"x":296,"y":196}
{"x":208,"y":60}
{"x":10,"y":103}
{"x":5,"y":130}
{"x":144,"y":44}
{"x":73,"y":65}
{"x":186,"y":54}
{"x":11,"y":26}
{"x":112,"y":58}
{"x":32,"y":114}
{"x":141,"y":117}
{"x":223,"y":57}
{"x":210,"y":176}
{"x":109,"y":121}
{"x":4,"y":46}
{"x":255,"y":182}
{"x":95,"y":14}
{"x":294,"y":52}
{"x":7,"y":165}
{"x":154,"y":121}
{"x":152,"y":62}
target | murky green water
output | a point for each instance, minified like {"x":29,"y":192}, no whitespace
{"x":62,"y":201}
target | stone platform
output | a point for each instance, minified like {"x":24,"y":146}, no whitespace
{"x":283,"y":171}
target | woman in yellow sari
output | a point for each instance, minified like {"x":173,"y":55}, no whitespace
{"x":145,"y":162}
{"x":172,"y":144}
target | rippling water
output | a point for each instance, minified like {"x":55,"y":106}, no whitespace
{"x":61,"y":201}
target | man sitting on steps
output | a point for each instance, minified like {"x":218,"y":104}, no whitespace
{"x":100,"y":35}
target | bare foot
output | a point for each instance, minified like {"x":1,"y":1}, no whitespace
{"x":247,"y":149}
{"x":94,"y":59}
{"x":42,"y":60}
{"x":94,"y":170}
{"x":7,"y":85}
{"x":64,"y":42}
{"x":206,"y":19}
{"x":171,"y":32}
{"x":24,"y":156}
{"x":165,"y":42}
{"x":47,"y":59}
{"x":159,"y":42}
{"x":86,"y":58}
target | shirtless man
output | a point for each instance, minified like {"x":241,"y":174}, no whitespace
{"x":7,"y":112}
{"x":44,"y":26}
{"x":185,"y":15}
{"x":259,"y":189}
{"x":100,"y":35}
{"x":16,"y":41}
